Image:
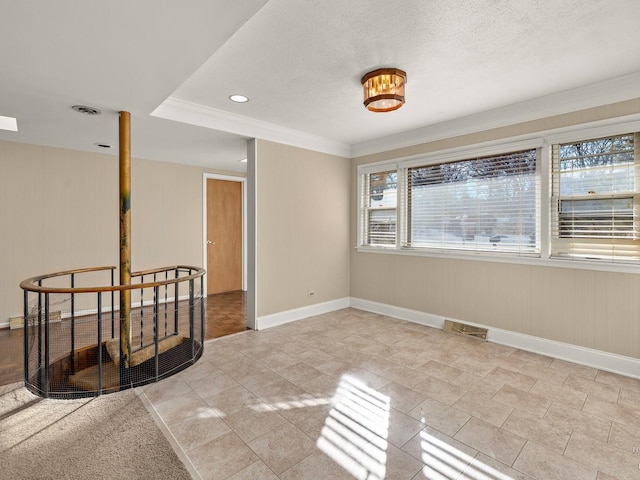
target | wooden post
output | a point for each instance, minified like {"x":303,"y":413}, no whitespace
{"x":125,"y":237}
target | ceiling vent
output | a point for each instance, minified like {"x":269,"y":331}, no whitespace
{"x":86,"y":110}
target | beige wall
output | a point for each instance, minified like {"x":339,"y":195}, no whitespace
{"x":302,"y":227}
{"x":592,"y":309}
{"x":59,"y":211}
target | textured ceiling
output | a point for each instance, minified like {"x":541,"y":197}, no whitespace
{"x":300,"y":62}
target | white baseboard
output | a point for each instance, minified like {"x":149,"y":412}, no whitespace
{"x":610,"y":362}
{"x":280,"y":318}
{"x":401,"y":313}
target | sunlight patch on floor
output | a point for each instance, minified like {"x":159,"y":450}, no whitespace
{"x":355,"y":431}
{"x":284,"y":404}
{"x":445,"y":462}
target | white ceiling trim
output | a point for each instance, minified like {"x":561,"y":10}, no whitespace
{"x":611,"y":91}
{"x":192,"y":113}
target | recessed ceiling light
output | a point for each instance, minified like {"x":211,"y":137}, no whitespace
{"x":238,"y":98}
{"x":244,"y":160}
{"x":8,"y":123}
{"x":86,"y":110}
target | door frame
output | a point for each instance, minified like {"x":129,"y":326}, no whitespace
{"x":243,"y":186}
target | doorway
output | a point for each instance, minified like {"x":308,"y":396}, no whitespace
{"x":224,"y":254}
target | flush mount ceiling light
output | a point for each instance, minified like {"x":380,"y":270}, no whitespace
{"x":238,"y":98}
{"x":8,"y":123}
{"x":384,"y":89}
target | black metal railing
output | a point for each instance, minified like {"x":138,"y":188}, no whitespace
{"x":72,"y":329}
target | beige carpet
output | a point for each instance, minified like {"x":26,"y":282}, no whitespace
{"x":108,"y":437}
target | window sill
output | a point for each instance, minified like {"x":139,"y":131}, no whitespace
{"x":593,"y":265}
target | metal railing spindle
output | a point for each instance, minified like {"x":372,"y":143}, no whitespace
{"x":25,"y":312}
{"x":175,"y":301}
{"x":73,"y":325}
{"x":141,"y":312}
{"x":155,"y":331}
{"x":191,"y":314}
{"x":47,"y":385}
{"x":99,"y":343}
{"x":113,"y":305}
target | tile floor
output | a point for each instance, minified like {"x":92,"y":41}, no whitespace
{"x":353,"y":394}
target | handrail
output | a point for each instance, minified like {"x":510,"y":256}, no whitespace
{"x":72,"y":354}
{"x":32,"y":284}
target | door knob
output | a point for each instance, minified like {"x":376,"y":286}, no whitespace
{"x":209,"y":242}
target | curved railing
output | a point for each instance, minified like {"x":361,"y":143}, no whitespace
{"x":72,"y":329}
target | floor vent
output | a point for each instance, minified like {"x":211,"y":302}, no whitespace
{"x":464,"y":329}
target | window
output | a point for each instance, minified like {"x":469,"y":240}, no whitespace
{"x":482,"y":204}
{"x":594,"y":199}
{"x":570,"y":196}
{"x":379,"y":202}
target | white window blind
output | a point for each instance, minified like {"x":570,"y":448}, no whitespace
{"x":379,"y":208}
{"x":594,"y":203}
{"x":486,"y":204}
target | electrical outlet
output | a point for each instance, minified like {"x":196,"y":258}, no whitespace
{"x":312,"y":293}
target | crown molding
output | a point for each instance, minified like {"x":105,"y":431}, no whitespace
{"x":195,"y":114}
{"x":598,"y":94}
{"x":611,"y":91}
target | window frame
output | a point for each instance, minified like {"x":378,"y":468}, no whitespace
{"x":364,"y":173}
{"x":559,"y":243}
{"x":542,"y":140}
{"x":434,"y":158}
{"x":517,"y":250}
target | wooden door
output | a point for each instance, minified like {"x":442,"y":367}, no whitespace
{"x":224,"y":236}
